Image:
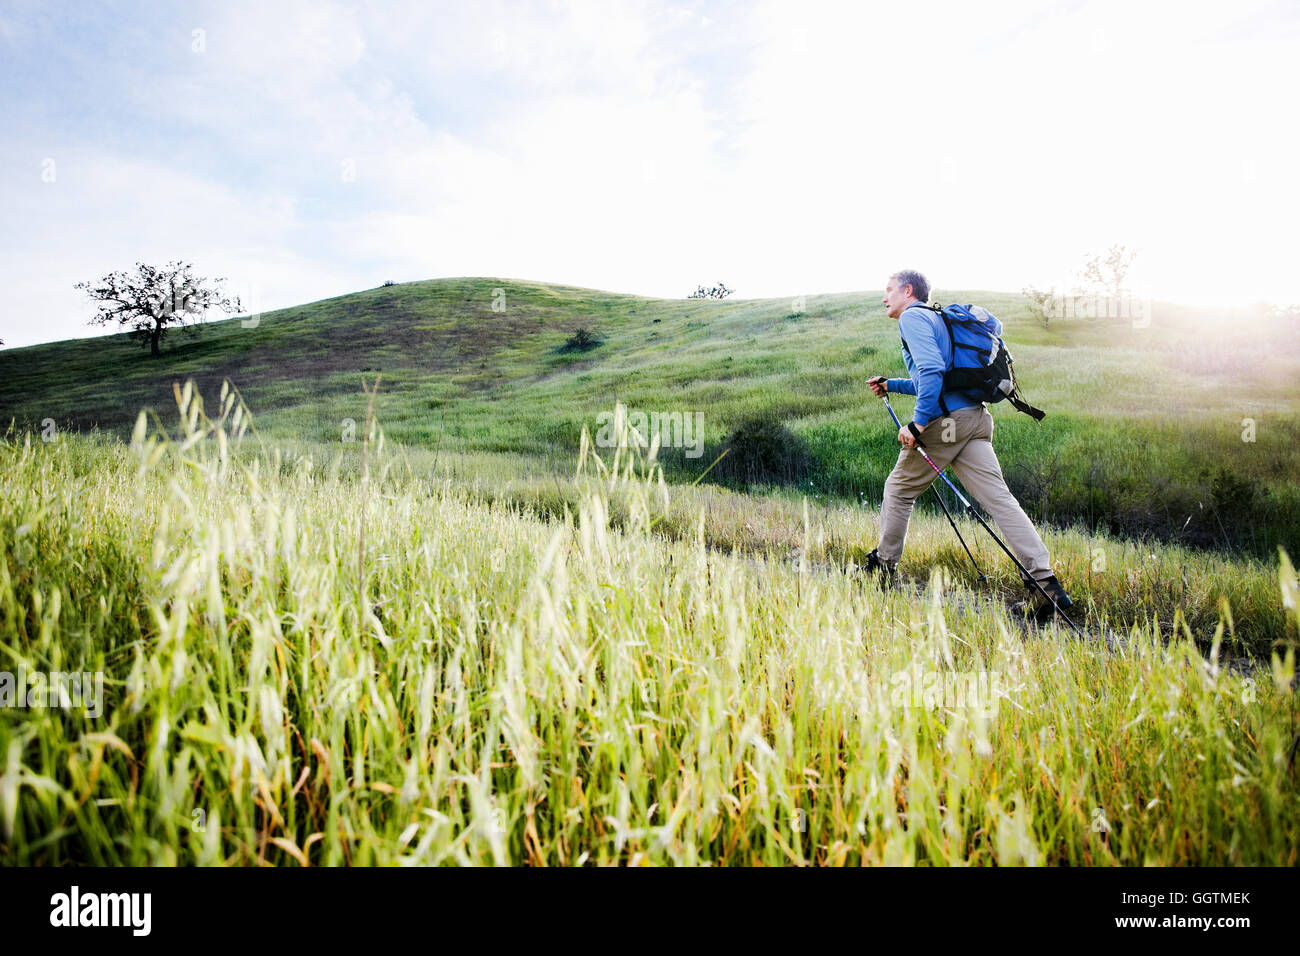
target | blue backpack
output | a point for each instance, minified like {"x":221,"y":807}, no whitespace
{"x":981,"y":365}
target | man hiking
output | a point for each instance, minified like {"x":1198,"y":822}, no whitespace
{"x":961,"y":437}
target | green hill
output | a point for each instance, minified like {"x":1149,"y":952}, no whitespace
{"x":1188,"y":429}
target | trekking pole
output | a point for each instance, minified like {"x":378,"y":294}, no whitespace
{"x":970,"y":510}
{"x":944,"y":506}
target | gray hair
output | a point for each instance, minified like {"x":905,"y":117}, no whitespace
{"x":920,"y":285}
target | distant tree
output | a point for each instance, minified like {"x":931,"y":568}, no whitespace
{"x":1106,"y":274}
{"x":388,"y":282}
{"x":153,"y":300}
{"x":1040,"y":303}
{"x":719,"y":291}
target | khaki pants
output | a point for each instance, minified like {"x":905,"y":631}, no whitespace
{"x":970,"y":454}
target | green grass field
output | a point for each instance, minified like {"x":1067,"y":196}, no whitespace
{"x":1144,"y":434}
{"x":470,"y":637}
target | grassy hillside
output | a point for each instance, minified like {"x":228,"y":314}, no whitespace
{"x":1144,"y":433}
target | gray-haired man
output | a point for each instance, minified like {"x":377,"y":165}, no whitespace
{"x":961,"y":437}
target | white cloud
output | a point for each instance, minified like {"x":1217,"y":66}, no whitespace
{"x":780,"y":147}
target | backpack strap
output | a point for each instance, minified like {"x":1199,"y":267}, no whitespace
{"x":947,"y":324}
{"x":943,"y":406}
{"x":1021,"y":405}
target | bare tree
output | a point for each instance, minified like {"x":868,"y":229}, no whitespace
{"x":1106,"y":274}
{"x":719,"y":291}
{"x":153,"y":300}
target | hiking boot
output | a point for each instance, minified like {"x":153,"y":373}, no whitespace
{"x":1038,"y":607}
{"x":879,"y":570}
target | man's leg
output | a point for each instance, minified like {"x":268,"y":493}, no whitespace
{"x":903,"y":486}
{"x":912,"y":475}
{"x":978,"y":468}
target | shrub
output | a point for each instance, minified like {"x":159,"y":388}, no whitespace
{"x":583,"y":340}
{"x":762,"y":450}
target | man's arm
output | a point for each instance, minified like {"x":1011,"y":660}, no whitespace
{"x":930,"y":366}
{"x":903,"y":386}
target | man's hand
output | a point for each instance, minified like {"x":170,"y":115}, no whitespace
{"x":905,"y":434}
{"x":879,"y":384}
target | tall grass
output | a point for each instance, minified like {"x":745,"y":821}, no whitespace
{"x":472,"y":683}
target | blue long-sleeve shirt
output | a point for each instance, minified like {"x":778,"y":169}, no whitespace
{"x":928,"y":355}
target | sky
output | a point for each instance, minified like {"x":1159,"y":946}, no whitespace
{"x":305,"y":148}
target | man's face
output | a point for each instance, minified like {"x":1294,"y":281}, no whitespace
{"x":896,"y":299}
